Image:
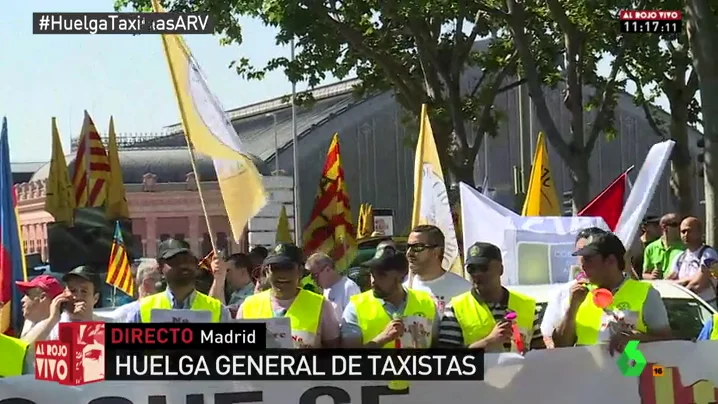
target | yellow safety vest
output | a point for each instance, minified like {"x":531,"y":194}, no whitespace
{"x":630,"y":296}
{"x":373,"y":318}
{"x":307,"y":283}
{"x":304,"y":314}
{"x":477,"y":321}
{"x":161,"y":301}
{"x":714,"y":332}
{"x":13,"y":354}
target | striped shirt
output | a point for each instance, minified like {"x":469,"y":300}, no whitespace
{"x":450,"y":332}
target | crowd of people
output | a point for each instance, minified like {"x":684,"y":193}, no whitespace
{"x":397,"y":299}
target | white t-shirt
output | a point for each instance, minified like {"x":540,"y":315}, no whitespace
{"x":339,"y":294}
{"x":688,"y":264}
{"x":65,"y":318}
{"x":555,"y":309}
{"x":443,"y":288}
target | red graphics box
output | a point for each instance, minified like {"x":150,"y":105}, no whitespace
{"x":77,"y":358}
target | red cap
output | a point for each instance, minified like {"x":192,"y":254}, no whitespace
{"x":49,"y":284}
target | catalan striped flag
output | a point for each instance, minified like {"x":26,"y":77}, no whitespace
{"x":664,"y":386}
{"x":330,"y":229}
{"x":206,"y":262}
{"x":12,"y":260}
{"x":119,"y":273}
{"x":92,"y":168}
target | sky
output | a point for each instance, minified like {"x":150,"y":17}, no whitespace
{"x":45,"y":76}
{"x":42,"y":76}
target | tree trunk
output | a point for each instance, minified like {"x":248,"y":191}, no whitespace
{"x":580,"y":181}
{"x":681,"y":164}
{"x":702,"y":34}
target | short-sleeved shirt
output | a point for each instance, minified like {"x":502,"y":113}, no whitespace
{"x":134,"y":316}
{"x":450,"y":332}
{"x":659,"y":256}
{"x":350,"y":319}
{"x":690,"y":262}
{"x":237,"y":297}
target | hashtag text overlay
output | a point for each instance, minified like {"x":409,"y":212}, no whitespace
{"x":121,"y":23}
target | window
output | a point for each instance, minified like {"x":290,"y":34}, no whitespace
{"x":164,"y":236}
{"x":206,"y":244}
{"x":179,"y":236}
{"x":222,"y":242}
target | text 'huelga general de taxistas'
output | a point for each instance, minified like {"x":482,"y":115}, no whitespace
{"x":230,"y":351}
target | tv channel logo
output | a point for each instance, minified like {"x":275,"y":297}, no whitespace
{"x":631,"y":362}
{"x":77,"y":358}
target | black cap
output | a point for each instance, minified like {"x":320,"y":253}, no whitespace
{"x":604,"y":244}
{"x":482,"y":253}
{"x":650,"y":219}
{"x":387,"y":257}
{"x":284,"y":254}
{"x":171,"y":247}
{"x":85,"y":273}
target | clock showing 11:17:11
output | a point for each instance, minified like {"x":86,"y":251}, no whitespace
{"x":650,"y":26}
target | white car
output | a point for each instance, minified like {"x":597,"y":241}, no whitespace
{"x":686,"y":311}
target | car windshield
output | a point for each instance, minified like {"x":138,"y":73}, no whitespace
{"x":686,"y":316}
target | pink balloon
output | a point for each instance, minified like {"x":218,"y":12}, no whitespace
{"x":602,"y":297}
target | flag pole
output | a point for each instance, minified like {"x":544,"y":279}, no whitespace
{"x":295,"y":157}
{"x":190,"y":147}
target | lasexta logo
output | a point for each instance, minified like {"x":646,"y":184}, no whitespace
{"x":631,"y":362}
{"x":77,"y":358}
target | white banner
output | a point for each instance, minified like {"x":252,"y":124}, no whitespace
{"x":586,"y":375}
{"x":540,"y":246}
{"x":642,"y":191}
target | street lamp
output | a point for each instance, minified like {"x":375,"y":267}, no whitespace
{"x":276,"y":142}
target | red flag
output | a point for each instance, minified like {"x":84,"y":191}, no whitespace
{"x":609,"y":203}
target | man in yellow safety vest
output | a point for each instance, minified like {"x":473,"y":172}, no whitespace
{"x":380,"y":317}
{"x":312,"y":317}
{"x":13,"y":353}
{"x":180,"y":268}
{"x":637,"y":311}
{"x":485,"y":316}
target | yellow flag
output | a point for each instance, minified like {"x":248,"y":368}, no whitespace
{"x":284,"y":235}
{"x":541,"y":198}
{"x":365,"y":225}
{"x":209,"y":132}
{"x":60,"y":199}
{"x":431,"y":201}
{"x":116,"y":206}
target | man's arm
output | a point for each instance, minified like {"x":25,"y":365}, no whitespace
{"x":219,"y":273}
{"x":329,"y":326}
{"x":551,"y":318}
{"x":649,"y":266}
{"x":655,"y":317}
{"x":351,"y":334}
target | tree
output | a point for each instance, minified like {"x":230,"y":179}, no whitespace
{"x":703,"y":36}
{"x":663,"y":64}
{"x":580,"y":32}
{"x":419,"y":50}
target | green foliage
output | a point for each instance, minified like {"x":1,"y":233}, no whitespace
{"x":418,"y":49}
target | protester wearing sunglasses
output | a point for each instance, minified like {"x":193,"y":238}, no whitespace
{"x":659,"y":256}
{"x":425,"y":254}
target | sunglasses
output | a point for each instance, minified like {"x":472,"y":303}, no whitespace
{"x":419,"y":247}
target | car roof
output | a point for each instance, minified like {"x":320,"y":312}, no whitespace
{"x":544,"y":293}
